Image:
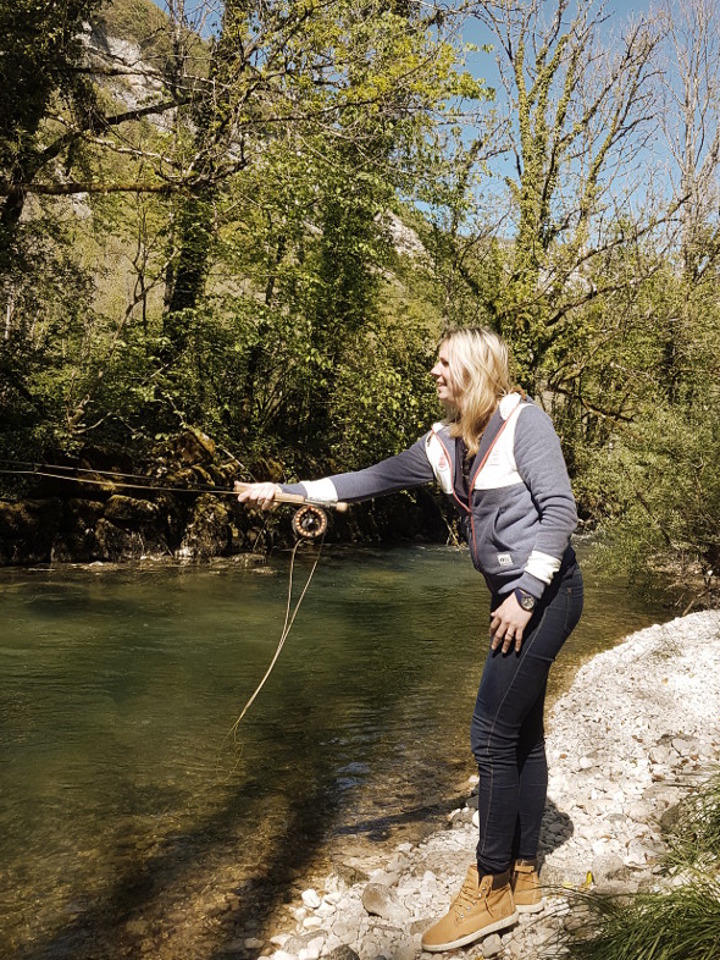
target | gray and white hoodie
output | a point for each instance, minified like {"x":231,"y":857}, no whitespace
{"x":520,"y":512}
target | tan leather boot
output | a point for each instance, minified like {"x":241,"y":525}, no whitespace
{"x":484,"y":905}
{"x":526,"y":889}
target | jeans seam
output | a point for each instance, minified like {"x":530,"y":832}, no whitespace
{"x":492,"y":728}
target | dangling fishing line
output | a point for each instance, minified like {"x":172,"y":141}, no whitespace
{"x":287,"y":625}
{"x":309,"y":523}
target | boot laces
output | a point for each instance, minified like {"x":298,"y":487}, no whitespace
{"x":469,"y":894}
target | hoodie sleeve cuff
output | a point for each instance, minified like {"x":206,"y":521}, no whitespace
{"x":530,"y":585}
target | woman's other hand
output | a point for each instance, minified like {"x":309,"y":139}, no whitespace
{"x":507,"y":624}
{"x":261,"y":495}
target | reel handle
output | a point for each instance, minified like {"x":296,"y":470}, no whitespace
{"x":296,"y":498}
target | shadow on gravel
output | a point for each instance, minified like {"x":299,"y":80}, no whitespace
{"x":556,"y":830}
{"x":379,"y":829}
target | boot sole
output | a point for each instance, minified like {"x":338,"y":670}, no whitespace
{"x":472,"y":937}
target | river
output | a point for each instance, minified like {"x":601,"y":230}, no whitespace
{"x":135,"y":822}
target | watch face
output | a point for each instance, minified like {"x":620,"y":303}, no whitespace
{"x":527,"y":602}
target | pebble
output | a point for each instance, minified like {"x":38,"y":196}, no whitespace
{"x":381,"y":901}
{"x":639,"y":721}
{"x":491,"y":945}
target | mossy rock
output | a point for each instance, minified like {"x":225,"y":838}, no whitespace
{"x":115,"y":544}
{"x":209,"y":532}
{"x":75,"y":537}
{"x":127,"y":511}
{"x":27,"y":530}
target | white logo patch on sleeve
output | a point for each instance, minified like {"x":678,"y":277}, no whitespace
{"x":504,"y":559}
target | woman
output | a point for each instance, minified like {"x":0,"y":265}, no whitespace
{"x":498,"y":458}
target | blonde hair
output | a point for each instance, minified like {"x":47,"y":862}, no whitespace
{"x":480,"y":365}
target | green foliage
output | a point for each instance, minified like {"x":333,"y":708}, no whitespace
{"x":236,"y":304}
{"x":39,"y":52}
{"x":679,"y":924}
{"x":694,"y":840}
{"x":228,"y":261}
{"x":383,"y":398}
{"x":137,"y":21}
{"x":46,"y":313}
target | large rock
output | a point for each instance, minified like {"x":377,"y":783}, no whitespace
{"x":75,"y":540}
{"x":208,"y":533}
{"x":27,"y":530}
{"x":145,"y":523}
{"x":130,"y":512}
{"x":115,"y":544}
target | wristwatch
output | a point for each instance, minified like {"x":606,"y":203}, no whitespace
{"x":526,"y":600}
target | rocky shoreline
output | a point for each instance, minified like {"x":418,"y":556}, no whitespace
{"x":637,"y":731}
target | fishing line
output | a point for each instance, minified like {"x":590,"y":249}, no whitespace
{"x":309,"y":523}
{"x":287,"y":627}
{"x":122,"y":484}
{"x":34,"y":466}
{"x":309,"y":526}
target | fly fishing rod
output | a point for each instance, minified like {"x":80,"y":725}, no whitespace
{"x":309,"y":522}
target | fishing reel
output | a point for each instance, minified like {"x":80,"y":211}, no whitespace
{"x":309,"y":522}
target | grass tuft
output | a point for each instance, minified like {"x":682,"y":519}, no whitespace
{"x":694,"y":840}
{"x":682,"y":923}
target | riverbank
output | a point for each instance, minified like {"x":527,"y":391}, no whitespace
{"x":639,"y":728}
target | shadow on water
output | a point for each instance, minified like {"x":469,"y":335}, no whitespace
{"x":136,"y":907}
{"x":107,"y":926}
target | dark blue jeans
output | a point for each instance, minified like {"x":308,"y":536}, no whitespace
{"x":508,"y":735}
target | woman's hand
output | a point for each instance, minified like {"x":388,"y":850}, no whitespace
{"x":507,"y":624}
{"x":260,"y":495}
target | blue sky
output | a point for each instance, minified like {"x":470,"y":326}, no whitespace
{"x":617,"y":11}
{"x":620,"y":8}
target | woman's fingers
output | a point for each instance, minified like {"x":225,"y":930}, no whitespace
{"x":258,"y":494}
{"x":507,"y":625}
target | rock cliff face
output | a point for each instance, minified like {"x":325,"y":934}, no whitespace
{"x":130,"y":48}
{"x":133,"y":81}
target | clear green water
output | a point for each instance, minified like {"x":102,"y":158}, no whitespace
{"x":131,"y":824}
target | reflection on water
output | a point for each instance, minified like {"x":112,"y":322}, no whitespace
{"x":132,"y":823}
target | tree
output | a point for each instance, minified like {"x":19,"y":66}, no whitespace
{"x":361,"y":77}
{"x":577,"y":112}
{"x":689,"y":85}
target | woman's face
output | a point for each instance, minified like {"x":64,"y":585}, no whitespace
{"x":447,"y":390}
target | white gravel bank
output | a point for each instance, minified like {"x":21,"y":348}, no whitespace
{"x":637,"y":729}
